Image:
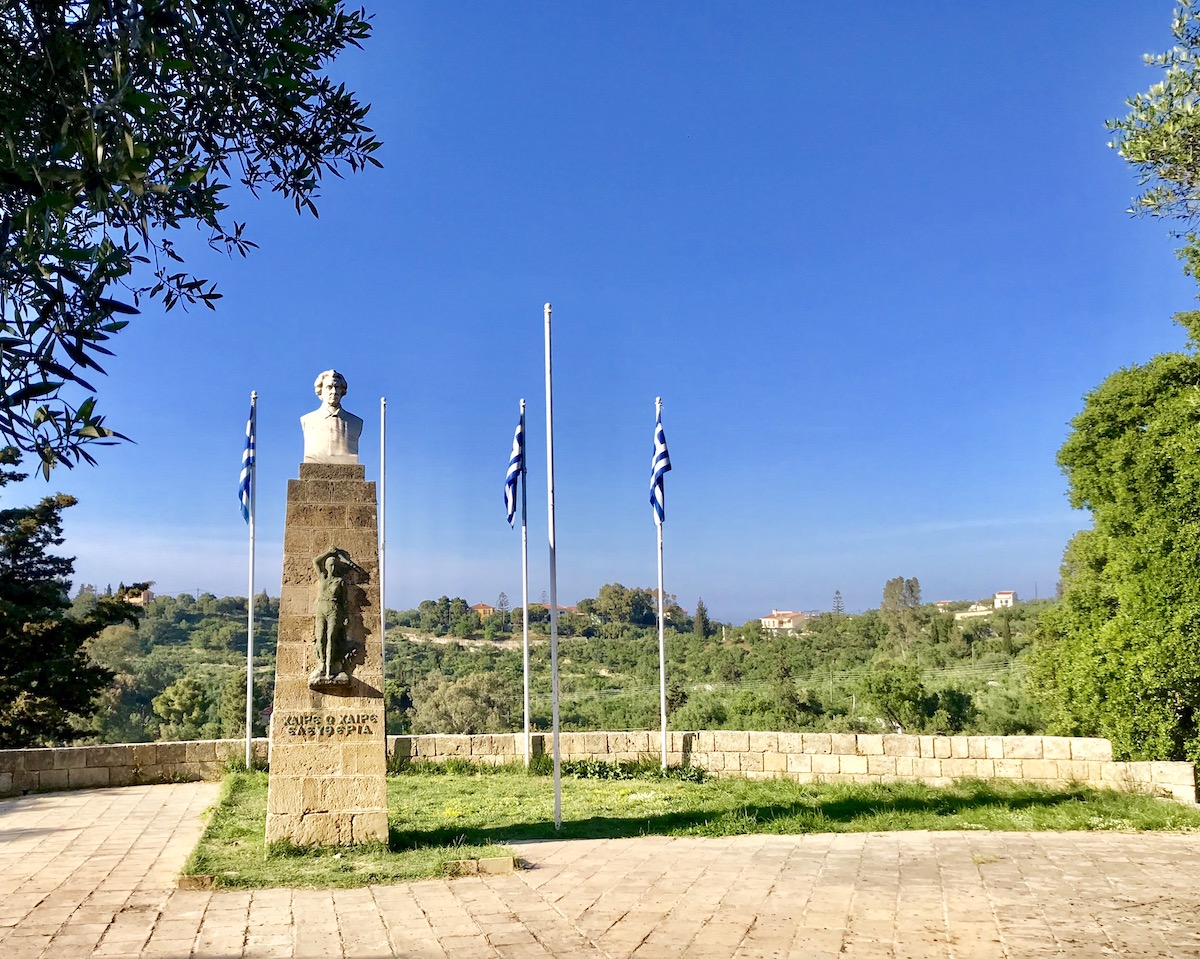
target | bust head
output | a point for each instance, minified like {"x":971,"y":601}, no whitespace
{"x":331,"y":432}
{"x":331,"y":387}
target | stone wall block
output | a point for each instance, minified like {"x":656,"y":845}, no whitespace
{"x":869,"y":744}
{"x":816,"y":742}
{"x":959,"y":747}
{"x":457,"y":746}
{"x":902,"y":746}
{"x":1071,"y":770}
{"x":597,"y":743}
{"x":827,"y":763}
{"x":500,"y":745}
{"x":976,"y":747}
{"x":1039,"y":769}
{"x":843,"y":744}
{"x":751,"y":762}
{"x":643,"y":743}
{"x":36,"y":759}
{"x":341,"y":472}
{"x":400,"y":748}
{"x":54,"y":779}
{"x":732,"y":742}
{"x":1096,"y":750}
{"x":1056,"y":747}
{"x":80,"y":777}
{"x":877,"y":765}
{"x":854,"y":765}
{"x":358,"y":513}
{"x":758,"y":742}
{"x":297,"y":604}
{"x":343,"y":794}
{"x":310,"y":491}
{"x":943,"y":747}
{"x":364,"y":493}
{"x":24,"y":780}
{"x":1173,"y":774}
{"x":1022,"y":747}
{"x":70,"y":757}
{"x":790,"y":743}
{"x":369,"y":827}
{"x":800,"y":762}
{"x":993,"y":747}
{"x":201,"y":751}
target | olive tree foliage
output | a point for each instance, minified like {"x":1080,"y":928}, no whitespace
{"x":1119,"y":656}
{"x":121,"y":121}
{"x":1160,"y":136}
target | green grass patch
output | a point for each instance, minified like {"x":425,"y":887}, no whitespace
{"x":438,"y":815}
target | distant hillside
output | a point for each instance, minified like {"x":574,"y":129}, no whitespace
{"x":181,"y":673}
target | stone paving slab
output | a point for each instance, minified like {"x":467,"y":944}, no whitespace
{"x":91,"y":874}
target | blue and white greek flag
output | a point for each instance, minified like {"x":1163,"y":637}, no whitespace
{"x":247,"y":467}
{"x":658,"y":466}
{"x":516,"y":463}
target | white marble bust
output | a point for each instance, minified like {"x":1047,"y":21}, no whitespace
{"x":330,"y":433}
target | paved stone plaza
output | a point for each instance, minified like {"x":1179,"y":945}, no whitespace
{"x":92,"y":873}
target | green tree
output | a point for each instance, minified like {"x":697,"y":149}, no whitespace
{"x":122,"y":122}
{"x":896,"y":690}
{"x":700,"y":625}
{"x":901,"y":597}
{"x":1118,"y":656}
{"x":619,"y":604}
{"x":231,"y":704}
{"x":48,"y":684}
{"x":185,"y":708}
{"x":1158,"y":136}
{"x":475,"y":703}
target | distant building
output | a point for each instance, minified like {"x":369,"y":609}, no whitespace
{"x":783,"y":620}
{"x":974,"y":611}
{"x":944,"y":604}
{"x":1004,"y":599}
{"x":483,"y":609}
{"x":139,"y":598}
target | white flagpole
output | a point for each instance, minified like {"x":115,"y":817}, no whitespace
{"x":553,"y":581}
{"x":525,"y":588}
{"x":250,"y":589}
{"x":662,"y":647}
{"x":382,"y":528}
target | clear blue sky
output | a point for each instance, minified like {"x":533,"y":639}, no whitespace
{"x":870,"y":260}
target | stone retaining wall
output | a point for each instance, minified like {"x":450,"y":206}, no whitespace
{"x":804,"y":757}
{"x":844,"y":757}
{"x":122,"y":764}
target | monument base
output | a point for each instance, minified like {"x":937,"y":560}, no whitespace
{"x":328,"y":782}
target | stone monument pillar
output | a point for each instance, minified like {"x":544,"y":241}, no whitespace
{"x":328,"y":749}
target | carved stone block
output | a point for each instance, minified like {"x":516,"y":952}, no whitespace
{"x":328,"y":752}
